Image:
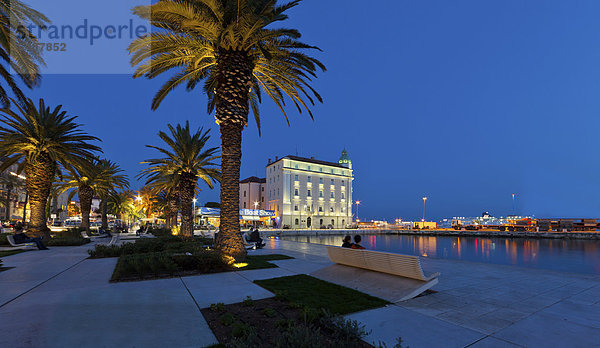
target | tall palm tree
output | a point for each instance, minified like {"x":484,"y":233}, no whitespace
{"x":40,"y":139}
{"x":165,"y":187}
{"x":227,"y":44}
{"x":19,"y":49}
{"x":188,"y":160}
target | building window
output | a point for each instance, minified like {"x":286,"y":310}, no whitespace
{"x":332,"y":171}
{"x":342,"y":209}
{"x":320,"y":180}
{"x":320,"y":209}
{"x":320,"y":169}
{"x":296,"y":167}
{"x":262,"y":189}
{"x":296,"y":177}
{"x":332,"y":222}
{"x":331,"y":194}
{"x":308,"y":208}
{"x":295,"y":192}
{"x":308,"y":179}
{"x":277,"y":192}
{"x":342,"y":182}
{"x":308,"y":167}
{"x":308,"y":194}
{"x":296,"y":222}
{"x":244,"y":193}
{"x":263,"y":199}
{"x":343,"y":195}
{"x":244,"y":205}
{"x":331,"y":209}
{"x":295,"y":208}
{"x":332,"y":182}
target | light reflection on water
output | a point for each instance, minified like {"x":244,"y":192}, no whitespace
{"x":577,"y":256}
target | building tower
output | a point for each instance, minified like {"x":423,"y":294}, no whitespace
{"x":345,"y":160}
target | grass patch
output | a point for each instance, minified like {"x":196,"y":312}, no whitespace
{"x":310,"y":292}
{"x":11,"y":252}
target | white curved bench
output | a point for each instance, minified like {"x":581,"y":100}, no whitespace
{"x":11,"y":241}
{"x":393,"y":277}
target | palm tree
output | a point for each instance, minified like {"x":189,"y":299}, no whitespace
{"x":187,"y":160}
{"x":97,"y":177}
{"x":165,"y":187}
{"x":110,"y":180}
{"x":40,"y":139}
{"x":120,"y":203}
{"x":19,"y":49}
{"x":227,"y":44}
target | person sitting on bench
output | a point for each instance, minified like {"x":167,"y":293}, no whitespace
{"x":21,"y":238}
{"x":356,"y":244}
{"x":347,"y":242}
{"x":255,"y":237}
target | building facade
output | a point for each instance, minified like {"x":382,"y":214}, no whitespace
{"x":310,"y":193}
{"x":252,"y":193}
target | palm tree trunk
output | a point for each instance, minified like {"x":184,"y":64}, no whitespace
{"x":229,"y":239}
{"x":86,"y":194}
{"x":234,"y":79}
{"x":187,"y":187}
{"x":103,"y":210}
{"x":173,"y":210}
{"x":40,"y":174}
{"x":8,"y":192}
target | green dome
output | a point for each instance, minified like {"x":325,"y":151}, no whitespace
{"x":344,"y":159}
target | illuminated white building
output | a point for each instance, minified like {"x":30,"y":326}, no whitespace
{"x":310,"y":193}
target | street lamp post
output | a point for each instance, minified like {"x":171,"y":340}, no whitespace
{"x":357,"y":203}
{"x":424,"y":200}
{"x":22,"y":177}
{"x":256,"y":212}
{"x":513,"y":195}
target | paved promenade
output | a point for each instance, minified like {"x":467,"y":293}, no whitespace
{"x":58,"y":298}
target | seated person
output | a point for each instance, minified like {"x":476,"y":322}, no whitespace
{"x":255,"y":237}
{"x":356,"y":244}
{"x":20,"y":238}
{"x":347,"y":242}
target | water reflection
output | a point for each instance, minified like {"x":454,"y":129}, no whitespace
{"x":578,"y":256}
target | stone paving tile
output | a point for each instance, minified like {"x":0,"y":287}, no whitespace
{"x":417,"y":330}
{"x":588,"y":315}
{"x":543,"y":330}
{"x":492,"y":342}
{"x":102,"y":314}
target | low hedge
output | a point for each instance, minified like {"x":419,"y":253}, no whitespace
{"x":173,"y":244}
{"x":165,"y":264}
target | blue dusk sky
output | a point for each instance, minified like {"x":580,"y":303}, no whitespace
{"x":465,"y":102}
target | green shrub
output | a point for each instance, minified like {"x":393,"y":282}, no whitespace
{"x":241,"y":329}
{"x":248,"y":302}
{"x":227,"y":319}
{"x":3,"y":239}
{"x":172,"y":244}
{"x":217,"y":307}
{"x":269,"y":312}
{"x":102,"y":250}
{"x":300,"y":336}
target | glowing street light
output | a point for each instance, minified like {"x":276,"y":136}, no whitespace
{"x":255,"y":211}
{"x":424,"y":200}
{"x":139,"y":199}
{"x":513,"y":195}
{"x":357,"y":203}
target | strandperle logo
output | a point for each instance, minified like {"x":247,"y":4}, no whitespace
{"x":85,"y":31}
{"x":85,"y":37}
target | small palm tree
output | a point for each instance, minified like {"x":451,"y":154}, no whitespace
{"x":110,"y":179}
{"x":97,"y":177}
{"x":19,"y":47}
{"x":230,"y":45}
{"x":120,"y":203}
{"x":165,"y":187}
{"x":40,"y":139}
{"x":187,"y":159}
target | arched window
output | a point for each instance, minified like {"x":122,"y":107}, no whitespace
{"x":296,"y":222}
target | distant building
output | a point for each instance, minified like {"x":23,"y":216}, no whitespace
{"x":310,"y":193}
{"x":252,"y":193}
